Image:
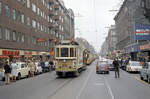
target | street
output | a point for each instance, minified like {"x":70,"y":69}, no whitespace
{"x":88,"y":85}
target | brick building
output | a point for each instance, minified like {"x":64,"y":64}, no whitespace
{"x":30,"y":25}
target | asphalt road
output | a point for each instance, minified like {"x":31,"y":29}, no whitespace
{"x":88,"y":85}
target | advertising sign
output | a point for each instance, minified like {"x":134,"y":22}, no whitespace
{"x":142,"y":32}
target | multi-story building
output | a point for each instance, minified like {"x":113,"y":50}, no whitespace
{"x":112,"y":39}
{"x":30,"y":26}
{"x":130,"y":26}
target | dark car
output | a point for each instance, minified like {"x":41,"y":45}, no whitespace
{"x":102,"y":67}
{"x":145,"y":72}
{"x":124,"y":64}
{"x":110,"y":63}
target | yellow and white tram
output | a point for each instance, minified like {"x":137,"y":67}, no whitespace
{"x":70,"y":58}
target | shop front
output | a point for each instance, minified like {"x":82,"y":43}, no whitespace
{"x":144,"y":53}
{"x":133,"y":50}
{"x":20,"y":55}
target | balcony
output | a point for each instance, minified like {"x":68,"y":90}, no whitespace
{"x":51,"y":2}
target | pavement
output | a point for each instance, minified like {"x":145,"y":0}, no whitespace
{"x":88,"y":85}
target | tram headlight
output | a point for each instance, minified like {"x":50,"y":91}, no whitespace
{"x":64,"y":61}
{"x":74,"y":63}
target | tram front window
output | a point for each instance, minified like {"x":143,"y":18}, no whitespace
{"x":64,"y":52}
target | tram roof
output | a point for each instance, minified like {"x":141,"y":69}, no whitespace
{"x":67,"y":42}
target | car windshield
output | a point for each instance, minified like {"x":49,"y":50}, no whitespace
{"x":102,"y":63}
{"x":135,"y":64}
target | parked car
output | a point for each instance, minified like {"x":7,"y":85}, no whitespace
{"x":124,"y":64}
{"x":145,"y":72}
{"x":102,"y":67}
{"x":38,"y":68}
{"x":2,"y":74}
{"x":133,"y":66}
{"x":110,"y":63}
{"x":22,"y":70}
{"x":45,"y":66}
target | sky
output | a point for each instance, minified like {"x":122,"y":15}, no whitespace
{"x":93,"y":19}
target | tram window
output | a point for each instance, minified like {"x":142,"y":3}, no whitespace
{"x":64,"y":52}
{"x":71,"y":52}
{"x":75,"y":52}
{"x":57,"y":52}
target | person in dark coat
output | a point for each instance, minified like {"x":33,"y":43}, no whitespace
{"x":7,"y":69}
{"x":116,"y":66}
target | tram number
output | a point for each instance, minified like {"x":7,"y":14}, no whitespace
{"x":64,"y":65}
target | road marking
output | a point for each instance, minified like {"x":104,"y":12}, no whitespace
{"x":142,"y":81}
{"x":99,"y":84}
{"x":58,"y":89}
{"x":85,"y":83}
{"x":109,"y":89}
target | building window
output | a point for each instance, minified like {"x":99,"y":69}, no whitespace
{"x":7,"y":34}
{"x":14,"y":36}
{"x":38,"y":25}
{"x":38,"y":11}
{"x":14,"y":14}
{"x":19,"y":16}
{"x":33,"y":23}
{"x":0,"y":33}
{"x":34,"y":8}
{"x":0,"y":8}
{"x":28,"y":21}
{"x":7,"y":11}
{"x":18,"y":37}
{"x":28,"y":3}
{"x":22,"y":38}
{"x":22,"y":18}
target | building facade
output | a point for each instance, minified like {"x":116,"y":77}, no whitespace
{"x":130,"y":24}
{"x":31,"y":26}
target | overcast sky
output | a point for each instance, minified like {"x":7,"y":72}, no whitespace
{"x":93,"y":19}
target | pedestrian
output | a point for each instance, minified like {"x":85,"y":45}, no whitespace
{"x":32,"y":68}
{"x":14,"y":71}
{"x":116,"y":66}
{"x":7,"y":69}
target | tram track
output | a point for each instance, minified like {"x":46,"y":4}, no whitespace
{"x":65,"y":83}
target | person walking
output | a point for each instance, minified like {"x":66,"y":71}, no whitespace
{"x":32,"y":68}
{"x":14,"y":71}
{"x":7,"y":69}
{"x":116,"y":66}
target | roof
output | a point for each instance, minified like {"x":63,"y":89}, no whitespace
{"x":122,"y":6}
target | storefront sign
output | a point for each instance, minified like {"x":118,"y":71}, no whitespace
{"x":142,"y":32}
{"x":41,"y":40}
{"x":145,"y":47}
{"x":28,"y":53}
{"x":52,"y":53}
{"x":9,"y":52}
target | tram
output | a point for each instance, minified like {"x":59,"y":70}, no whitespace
{"x":70,"y":58}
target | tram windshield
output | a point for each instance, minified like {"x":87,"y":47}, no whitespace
{"x":64,"y":52}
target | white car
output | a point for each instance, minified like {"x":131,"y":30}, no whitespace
{"x":19,"y":69}
{"x":133,"y":66}
{"x":38,"y":68}
{"x":22,"y":70}
{"x":1,"y":73}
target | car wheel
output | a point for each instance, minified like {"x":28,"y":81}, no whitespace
{"x":141,"y":78}
{"x":96,"y":72}
{"x":19,"y":76}
{"x":37,"y":72}
{"x":148,"y":80}
{"x":107,"y":72}
{"x":29,"y":74}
